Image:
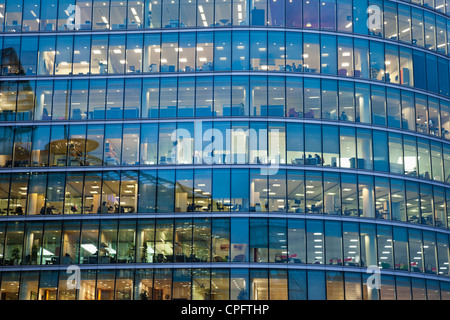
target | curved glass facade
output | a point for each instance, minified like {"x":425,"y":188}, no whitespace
{"x":232,"y":149}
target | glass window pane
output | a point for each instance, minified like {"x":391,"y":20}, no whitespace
{"x":385,"y":252}
{"x":316,"y":285}
{"x":329,"y":99}
{"x":311,"y":14}
{"x":297,"y":285}
{"x":361,"y":54}
{"x":311,"y":52}
{"x":368,"y":245}
{"x":333,"y":243}
{"x":400,"y":248}
{"x":364,"y":149}
{"x":239,"y":240}
{"x":395,"y":153}
{"x":406,"y":67}
{"x":152,"y":51}
{"x":349,"y":194}
{"x":165,"y":190}
{"x":296,"y":191}
{"x":330,"y":146}
{"x":351,"y":244}
{"x":147,"y":191}
{"x":294,"y":51}
{"x":377,"y":61}
{"x":315,"y":242}
{"x":408,"y":110}
{"x":415,"y":251}
{"x":328,"y":55}
{"x":378,"y":105}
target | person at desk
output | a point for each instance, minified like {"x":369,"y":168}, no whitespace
{"x":318,"y":159}
{"x":343,"y":116}
{"x":67,"y":259}
{"x":103,"y":208}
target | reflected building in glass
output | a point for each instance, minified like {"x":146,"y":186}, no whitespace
{"x":224,"y":149}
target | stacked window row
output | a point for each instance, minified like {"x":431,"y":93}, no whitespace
{"x":216,"y":284}
{"x":223,"y":143}
{"x":234,"y":240}
{"x":223,"y":96}
{"x":124,"y":54}
{"x":217,"y":51}
{"x":224,"y":190}
{"x":392,"y":21}
{"x":223,"y":51}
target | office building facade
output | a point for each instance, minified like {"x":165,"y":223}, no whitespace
{"x":224,"y":149}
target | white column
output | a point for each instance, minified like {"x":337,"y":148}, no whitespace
{"x":368,"y":201}
{"x":39,"y":106}
{"x":364,"y":114}
{"x":32,"y":203}
{"x":371,"y":261}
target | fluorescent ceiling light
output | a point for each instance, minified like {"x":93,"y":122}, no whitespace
{"x":90,"y":248}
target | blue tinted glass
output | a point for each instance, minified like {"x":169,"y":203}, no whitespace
{"x":380,"y":152}
{"x":258,"y":12}
{"x":378,"y":105}
{"x":294,"y":13}
{"x":168,"y":98}
{"x":377,"y":60}
{"x":316,"y":285}
{"x":239,"y":239}
{"x":432,"y":74}
{"x":239,"y":189}
{"x":221,"y":189}
{"x":166,"y":188}
{"x":297,"y":285}
{"x":12,"y":48}
{"x":276,"y":13}
{"x":328,"y":14}
{"x":443,"y":70}
{"x":294,"y":51}
{"x":241,"y":50}
{"x":360,"y":17}
{"x":328,"y":54}
{"x":420,"y":73}
{"x":222,"y":50}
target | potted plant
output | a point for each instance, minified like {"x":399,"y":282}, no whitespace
{"x":130,"y":252}
{"x":15,"y":254}
{"x":34,"y":254}
{"x":143,"y":295}
{"x":144,"y":252}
